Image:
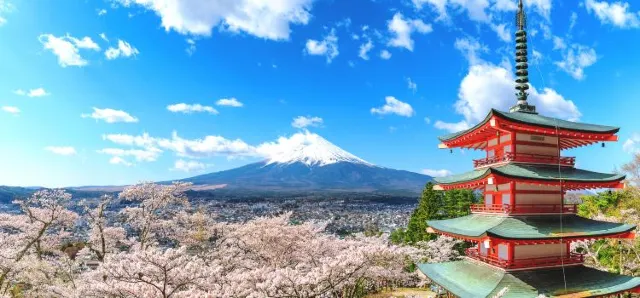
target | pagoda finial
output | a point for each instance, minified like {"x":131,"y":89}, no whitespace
{"x":522,"y":72}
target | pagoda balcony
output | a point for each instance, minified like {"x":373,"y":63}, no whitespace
{"x":524,"y":158}
{"x":524,"y":208}
{"x":570,"y":259}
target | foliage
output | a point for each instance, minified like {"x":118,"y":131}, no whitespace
{"x":164,"y":248}
{"x":433,"y":204}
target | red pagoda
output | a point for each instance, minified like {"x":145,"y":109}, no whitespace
{"x":523,"y":231}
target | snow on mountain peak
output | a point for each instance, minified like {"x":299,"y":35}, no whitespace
{"x":308,"y":148}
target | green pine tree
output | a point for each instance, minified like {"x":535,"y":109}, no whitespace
{"x":429,"y":207}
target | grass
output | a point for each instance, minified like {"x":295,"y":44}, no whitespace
{"x":404,"y":292}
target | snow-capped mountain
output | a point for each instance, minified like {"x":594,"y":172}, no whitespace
{"x":309,"y":149}
{"x":308,"y":162}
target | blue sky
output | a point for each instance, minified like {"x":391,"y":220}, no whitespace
{"x":114,"y":92}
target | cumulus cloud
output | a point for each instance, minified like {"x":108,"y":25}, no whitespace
{"x":117,"y":160}
{"x":110,"y":116}
{"x":188,"y":166}
{"x":123,"y":50}
{"x":489,"y":86}
{"x":230,"y":102}
{"x":147,"y":154}
{"x":302,"y":121}
{"x":11,"y":110}
{"x":327,"y":47}
{"x":394,"y":106}
{"x":264,"y":19}
{"x":206,"y":147}
{"x":436,"y":173}
{"x":617,"y":13}
{"x":384,"y":54}
{"x":38,"y":92}
{"x":143,"y":140}
{"x":575,"y":59}
{"x":191,"y":108}
{"x":402,"y":28}
{"x":471,"y":49}
{"x":631,"y":144}
{"x":451,"y":127}
{"x":66,"y":150}
{"x":364,"y":50}
{"x":67,"y":48}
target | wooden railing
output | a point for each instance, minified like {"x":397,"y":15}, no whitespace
{"x":526,"y":158}
{"x":524,"y":208}
{"x":570,"y":259}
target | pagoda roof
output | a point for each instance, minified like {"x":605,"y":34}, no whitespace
{"x":534,"y":227}
{"x":532,"y":172}
{"x":536,"y":120}
{"x":468,"y":278}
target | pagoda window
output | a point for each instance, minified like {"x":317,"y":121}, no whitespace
{"x":492,"y":142}
{"x":483,"y":249}
{"x":488,"y":199}
{"x":506,"y":199}
{"x":491,"y":153}
{"x":505,"y":138}
{"x":539,"y":251}
{"x":503,"y":251}
{"x":507,"y":149}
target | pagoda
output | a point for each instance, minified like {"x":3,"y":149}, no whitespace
{"x":522,"y":233}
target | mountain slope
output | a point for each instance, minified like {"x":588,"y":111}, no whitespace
{"x":307,"y":161}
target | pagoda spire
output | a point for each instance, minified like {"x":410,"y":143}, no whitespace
{"x":522,"y":72}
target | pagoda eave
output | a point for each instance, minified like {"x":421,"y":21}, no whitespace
{"x":571,"y":135}
{"x":469,"y":278}
{"x":498,"y":239}
{"x":567,"y":177}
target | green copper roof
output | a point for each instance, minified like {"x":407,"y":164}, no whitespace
{"x":537,"y":172}
{"x":537,"y":120}
{"x":527,"y":227}
{"x":468,"y":278}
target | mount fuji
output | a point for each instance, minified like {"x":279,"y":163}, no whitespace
{"x":308,"y":162}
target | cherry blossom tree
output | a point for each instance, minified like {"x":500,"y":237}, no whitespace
{"x":103,"y":239}
{"x":156,"y":206}
{"x":28,"y":239}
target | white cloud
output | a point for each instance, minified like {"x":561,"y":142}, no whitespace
{"x":66,"y":151}
{"x":558,"y":43}
{"x":436,"y":173}
{"x":617,"y":14}
{"x":117,"y":160}
{"x":110,"y":115}
{"x":489,"y":86}
{"x":412,"y":85}
{"x":104,"y":37}
{"x":364,"y":50}
{"x":206,"y":147}
{"x":229,"y":102}
{"x":452,"y":127}
{"x":191,"y":108}
{"x":327,"y":47}
{"x":67,"y":48}
{"x":302,"y":121}
{"x":427,"y":120}
{"x":147,"y":154}
{"x":575,"y":59}
{"x":10,"y":109}
{"x":403,"y":28}
{"x":384,"y":54}
{"x":38,"y":92}
{"x":124,"y":50}
{"x":503,"y":32}
{"x":471,"y":49}
{"x":573,"y":20}
{"x":122,"y":139}
{"x":264,"y":19}
{"x":188,"y":166}
{"x":631,"y":144}
{"x":394,"y":106}
{"x":102,"y":12}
